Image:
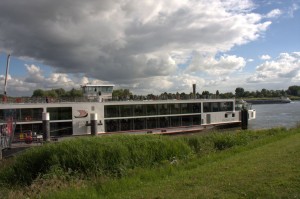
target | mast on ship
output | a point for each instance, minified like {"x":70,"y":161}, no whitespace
{"x":5,"y":82}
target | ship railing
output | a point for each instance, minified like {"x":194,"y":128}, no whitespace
{"x":29,"y":100}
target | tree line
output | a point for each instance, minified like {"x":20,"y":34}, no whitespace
{"x":291,"y":91}
{"x":126,"y":94}
{"x":57,"y":93}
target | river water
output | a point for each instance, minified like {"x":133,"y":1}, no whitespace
{"x":275,"y":115}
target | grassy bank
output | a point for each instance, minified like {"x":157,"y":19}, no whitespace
{"x":241,"y":164}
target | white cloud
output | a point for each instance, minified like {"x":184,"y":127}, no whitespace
{"x":292,"y":9}
{"x":274,"y":13}
{"x":265,"y":57}
{"x":128,"y":41}
{"x":224,"y":65}
{"x":285,"y":68}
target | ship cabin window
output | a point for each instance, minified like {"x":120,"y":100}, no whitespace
{"x":163,"y":109}
{"x":111,"y":125}
{"x":151,"y":123}
{"x":196,"y":107}
{"x":111,"y":111}
{"x":126,"y":124}
{"x":175,"y":121}
{"x":217,"y":106}
{"x":28,"y":114}
{"x":190,"y":108}
{"x":175,"y":108}
{"x":226,"y":106}
{"x":233,"y":115}
{"x":139,"y":123}
{"x":126,"y":110}
{"x":61,"y":128}
{"x":139,"y":110}
{"x":226,"y":115}
{"x":23,"y":115}
{"x":196,"y":120}
{"x":60,"y":113}
{"x":185,"y":108}
{"x":163,"y":122}
{"x":186,"y":121}
{"x":151,"y":109}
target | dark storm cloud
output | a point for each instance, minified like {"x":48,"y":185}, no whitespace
{"x":119,"y":39}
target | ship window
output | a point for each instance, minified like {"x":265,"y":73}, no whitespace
{"x":61,"y":128}
{"x":163,"y":122}
{"x":151,"y":123}
{"x":126,"y":111}
{"x":139,"y":123}
{"x":233,"y":115}
{"x":196,"y":120}
{"x":111,"y":111}
{"x":28,"y":114}
{"x":111,"y":125}
{"x":175,"y":121}
{"x":175,"y":108}
{"x":187,"y":121}
{"x":217,"y":106}
{"x":126,"y":124}
{"x":151,"y":109}
{"x":226,"y":115}
{"x":206,"y":107}
{"x":60,"y":113}
{"x":226,"y":106}
{"x":196,"y":107}
{"x":139,"y":110}
{"x":184,"y":108}
{"x":163,"y":109}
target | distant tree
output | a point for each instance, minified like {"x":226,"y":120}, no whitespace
{"x":51,"y":93}
{"x":246,"y":94}
{"x":182,"y":95}
{"x":75,"y":93}
{"x":294,"y":90}
{"x":205,"y":93}
{"x":227,"y":95}
{"x":217,"y":93}
{"x":38,"y":93}
{"x":122,"y":93}
{"x":60,"y":92}
{"x":239,"y":92}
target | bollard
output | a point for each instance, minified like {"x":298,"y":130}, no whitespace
{"x":94,"y":119}
{"x":244,"y":119}
{"x":46,"y":127}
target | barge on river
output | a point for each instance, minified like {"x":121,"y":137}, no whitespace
{"x":72,"y":117}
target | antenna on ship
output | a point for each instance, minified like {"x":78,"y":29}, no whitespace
{"x":5,"y":82}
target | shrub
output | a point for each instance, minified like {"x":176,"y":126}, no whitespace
{"x":109,"y":155}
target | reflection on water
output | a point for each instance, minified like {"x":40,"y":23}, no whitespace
{"x":274,"y":115}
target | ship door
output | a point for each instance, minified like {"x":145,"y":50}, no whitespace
{"x":208,"y":118}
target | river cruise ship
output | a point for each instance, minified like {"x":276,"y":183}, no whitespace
{"x":128,"y":116}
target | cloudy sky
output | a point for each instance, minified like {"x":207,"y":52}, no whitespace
{"x":150,"y":46}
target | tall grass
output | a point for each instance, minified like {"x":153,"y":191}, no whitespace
{"x":114,"y":156}
{"x":111,"y":156}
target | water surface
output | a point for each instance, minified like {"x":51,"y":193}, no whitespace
{"x":275,"y":115}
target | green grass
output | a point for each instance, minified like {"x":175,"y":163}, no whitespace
{"x":242,"y":164}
